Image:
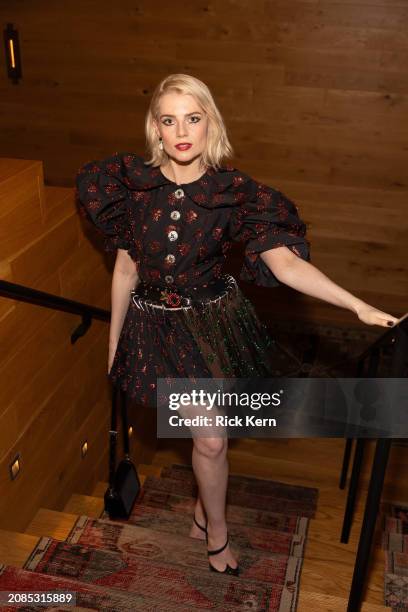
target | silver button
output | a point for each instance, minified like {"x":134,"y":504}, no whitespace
{"x":179,"y":193}
{"x":175,"y":215}
{"x":168,"y":278}
{"x":173,"y":235}
{"x":170,"y":258}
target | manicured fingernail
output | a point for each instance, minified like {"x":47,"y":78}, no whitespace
{"x":390,"y":323}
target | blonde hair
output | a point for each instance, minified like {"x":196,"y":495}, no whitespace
{"x":218,"y":145}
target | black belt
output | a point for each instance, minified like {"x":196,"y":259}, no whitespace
{"x":168,"y":298}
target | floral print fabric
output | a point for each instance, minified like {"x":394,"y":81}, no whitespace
{"x":179,"y":236}
{"x":185,"y":231}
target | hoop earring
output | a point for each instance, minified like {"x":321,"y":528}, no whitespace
{"x":161,"y":144}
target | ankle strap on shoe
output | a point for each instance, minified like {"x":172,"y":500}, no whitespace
{"x":198,"y":525}
{"x":215,"y":552}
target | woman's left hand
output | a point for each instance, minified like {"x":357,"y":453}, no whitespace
{"x":373,"y":316}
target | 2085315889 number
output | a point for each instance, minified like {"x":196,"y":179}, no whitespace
{"x":40,"y":597}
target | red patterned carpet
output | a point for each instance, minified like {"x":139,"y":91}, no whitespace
{"x":150,"y":563}
{"x":395,"y":542}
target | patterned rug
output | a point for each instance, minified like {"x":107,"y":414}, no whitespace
{"x":279,"y":502}
{"x":150,"y":563}
{"x":395,"y":542}
{"x":88,"y":596}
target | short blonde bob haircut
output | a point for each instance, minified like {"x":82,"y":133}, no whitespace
{"x":218,"y":145}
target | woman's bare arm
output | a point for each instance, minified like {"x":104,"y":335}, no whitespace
{"x":125,"y":277}
{"x":303,"y":276}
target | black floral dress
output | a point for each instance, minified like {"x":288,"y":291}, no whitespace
{"x":179,"y":236}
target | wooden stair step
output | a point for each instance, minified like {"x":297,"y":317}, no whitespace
{"x":16,"y":547}
{"x":148,"y":469}
{"x":315,"y":578}
{"x":51,"y":523}
{"x":319,"y":602}
{"x":85,"y":504}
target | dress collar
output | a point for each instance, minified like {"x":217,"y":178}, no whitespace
{"x":215,"y":188}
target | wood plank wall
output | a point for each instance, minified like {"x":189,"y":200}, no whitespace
{"x":313,"y":93}
{"x":54,"y":395}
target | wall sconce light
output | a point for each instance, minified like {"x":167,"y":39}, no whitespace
{"x":84,"y":448}
{"x":14,"y":467}
{"x":12,"y":48}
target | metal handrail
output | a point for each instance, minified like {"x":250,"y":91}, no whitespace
{"x":22,"y":293}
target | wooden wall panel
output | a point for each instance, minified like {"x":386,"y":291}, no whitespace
{"x":22,"y":322}
{"x":29,"y":267}
{"x":53,"y":394}
{"x":21,"y":195}
{"x":7,"y":307}
{"x":58,"y":203}
{"x":313,"y":93}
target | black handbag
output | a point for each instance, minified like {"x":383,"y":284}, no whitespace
{"x":124,"y":484}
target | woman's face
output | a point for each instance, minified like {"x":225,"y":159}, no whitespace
{"x":181,"y":120}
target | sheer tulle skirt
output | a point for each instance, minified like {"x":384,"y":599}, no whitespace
{"x":220,"y":338}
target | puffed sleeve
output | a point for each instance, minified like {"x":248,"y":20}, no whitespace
{"x":266,"y":219}
{"x":103,"y":197}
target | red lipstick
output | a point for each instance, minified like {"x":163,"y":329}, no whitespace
{"x":183,"y":146}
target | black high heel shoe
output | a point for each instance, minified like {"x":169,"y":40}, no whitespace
{"x":233,"y":571}
{"x":200,"y":526}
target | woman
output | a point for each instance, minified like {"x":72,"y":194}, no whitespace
{"x":172,"y":219}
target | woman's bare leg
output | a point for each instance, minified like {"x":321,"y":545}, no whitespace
{"x":210,"y":465}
